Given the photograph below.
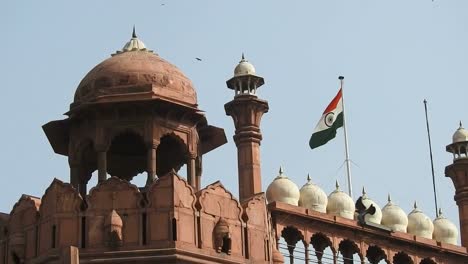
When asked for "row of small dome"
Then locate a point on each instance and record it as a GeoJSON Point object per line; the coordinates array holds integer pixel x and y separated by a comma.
{"type": "Point", "coordinates": [339, 203]}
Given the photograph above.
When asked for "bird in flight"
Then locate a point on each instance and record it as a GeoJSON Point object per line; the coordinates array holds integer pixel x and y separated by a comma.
{"type": "Point", "coordinates": [198, 59]}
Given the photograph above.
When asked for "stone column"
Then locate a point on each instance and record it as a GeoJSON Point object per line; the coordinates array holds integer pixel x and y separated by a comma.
{"type": "Point", "coordinates": [74, 175]}
{"type": "Point", "coordinates": [198, 172]}
{"type": "Point", "coordinates": [82, 189]}
{"type": "Point", "coordinates": [307, 257]}
{"type": "Point", "coordinates": [102, 165]}
{"type": "Point", "coordinates": [191, 171]}
{"type": "Point", "coordinates": [458, 172]}
{"type": "Point", "coordinates": [246, 111]}
{"type": "Point", "coordinates": [151, 163]}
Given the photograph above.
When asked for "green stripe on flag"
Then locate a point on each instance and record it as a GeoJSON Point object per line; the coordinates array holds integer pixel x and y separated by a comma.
{"type": "Point", "coordinates": [322, 137]}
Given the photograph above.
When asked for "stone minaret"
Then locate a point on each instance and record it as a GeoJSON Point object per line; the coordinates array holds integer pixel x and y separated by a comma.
{"type": "Point", "coordinates": [246, 110]}
{"type": "Point", "coordinates": [458, 172]}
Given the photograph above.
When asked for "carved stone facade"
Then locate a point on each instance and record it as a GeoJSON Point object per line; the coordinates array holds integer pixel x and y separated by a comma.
{"type": "Point", "coordinates": [137, 113]}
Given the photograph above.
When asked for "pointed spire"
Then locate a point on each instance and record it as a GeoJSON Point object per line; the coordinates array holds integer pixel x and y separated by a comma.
{"type": "Point", "coordinates": [337, 185]}
{"type": "Point", "coordinates": [440, 212]}
{"type": "Point", "coordinates": [389, 199]}
{"type": "Point", "coordinates": [461, 125]}
{"type": "Point", "coordinates": [281, 170]}
{"type": "Point", "coordinates": [134, 34]}
{"type": "Point", "coordinates": [243, 58]}
{"type": "Point", "coordinates": [363, 191]}
{"type": "Point", "coordinates": [308, 178]}
{"type": "Point", "coordinates": [415, 206]}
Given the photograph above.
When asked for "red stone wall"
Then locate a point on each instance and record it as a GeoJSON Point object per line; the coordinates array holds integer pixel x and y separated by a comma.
{"type": "Point", "coordinates": [177, 217]}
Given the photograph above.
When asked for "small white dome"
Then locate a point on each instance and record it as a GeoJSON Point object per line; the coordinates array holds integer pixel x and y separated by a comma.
{"type": "Point", "coordinates": [394, 217]}
{"type": "Point", "coordinates": [313, 197]}
{"type": "Point", "coordinates": [340, 204]}
{"type": "Point", "coordinates": [376, 218]}
{"type": "Point", "coordinates": [134, 44]}
{"type": "Point", "coordinates": [444, 230]}
{"type": "Point", "coordinates": [244, 68]}
{"type": "Point", "coordinates": [419, 224]}
{"type": "Point", "coordinates": [461, 135]}
{"type": "Point", "coordinates": [283, 190]}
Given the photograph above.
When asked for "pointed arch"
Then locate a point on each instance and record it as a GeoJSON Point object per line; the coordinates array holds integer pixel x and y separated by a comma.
{"type": "Point", "coordinates": [402, 258]}
{"type": "Point", "coordinates": [321, 242]}
{"type": "Point", "coordinates": [172, 153]}
{"type": "Point", "coordinates": [127, 154]}
{"type": "Point", "coordinates": [375, 254]}
{"type": "Point", "coordinates": [291, 236]}
{"type": "Point", "coordinates": [348, 248]}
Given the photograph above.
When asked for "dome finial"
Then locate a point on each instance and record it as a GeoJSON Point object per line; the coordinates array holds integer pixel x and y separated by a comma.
{"type": "Point", "coordinates": [461, 125]}
{"type": "Point", "coordinates": [440, 212]}
{"type": "Point", "coordinates": [363, 191]}
{"type": "Point", "coordinates": [389, 199]}
{"type": "Point", "coordinates": [133, 33]}
{"type": "Point", "coordinates": [415, 205]}
{"type": "Point", "coordinates": [281, 170]}
{"type": "Point", "coordinates": [337, 185]}
{"type": "Point", "coordinates": [243, 57]}
{"type": "Point", "coordinates": [308, 178]}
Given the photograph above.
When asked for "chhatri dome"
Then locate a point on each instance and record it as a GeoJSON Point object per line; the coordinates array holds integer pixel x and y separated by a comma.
{"type": "Point", "coordinates": [367, 202]}
{"type": "Point", "coordinates": [282, 189]}
{"type": "Point", "coordinates": [461, 135]}
{"type": "Point", "coordinates": [340, 203]}
{"type": "Point", "coordinates": [244, 68]}
{"type": "Point", "coordinates": [135, 73]}
{"type": "Point", "coordinates": [394, 217]}
{"type": "Point", "coordinates": [313, 197]}
{"type": "Point", "coordinates": [444, 230]}
{"type": "Point", "coordinates": [419, 224]}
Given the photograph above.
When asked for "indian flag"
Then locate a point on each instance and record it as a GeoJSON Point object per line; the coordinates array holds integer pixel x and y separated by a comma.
{"type": "Point", "coordinates": [331, 120]}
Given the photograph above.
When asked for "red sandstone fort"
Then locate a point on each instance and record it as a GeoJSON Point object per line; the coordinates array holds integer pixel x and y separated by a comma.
{"type": "Point", "coordinates": [137, 113]}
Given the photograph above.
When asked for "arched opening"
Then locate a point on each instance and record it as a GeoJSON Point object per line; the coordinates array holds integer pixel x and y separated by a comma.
{"type": "Point", "coordinates": [226, 247]}
{"type": "Point", "coordinates": [171, 154]}
{"type": "Point", "coordinates": [402, 258]}
{"type": "Point", "coordinates": [349, 251]}
{"type": "Point", "coordinates": [427, 261]}
{"type": "Point", "coordinates": [375, 255]}
{"type": "Point", "coordinates": [295, 250]}
{"type": "Point", "coordinates": [127, 156]}
{"type": "Point", "coordinates": [322, 251]}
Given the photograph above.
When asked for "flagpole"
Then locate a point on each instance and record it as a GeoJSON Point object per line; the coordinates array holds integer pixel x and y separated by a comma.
{"type": "Point", "coordinates": [432, 161]}
{"type": "Point", "coordinates": [347, 160]}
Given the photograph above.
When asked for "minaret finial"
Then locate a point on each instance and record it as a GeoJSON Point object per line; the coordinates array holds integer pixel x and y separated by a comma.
{"type": "Point", "coordinates": [281, 170]}
{"type": "Point", "coordinates": [337, 185]}
{"type": "Point", "coordinates": [389, 199]}
{"type": "Point", "coordinates": [243, 57]}
{"type": "Point", "coordinates": [308, 178]}
{"type": "Point", "coordinates": [461, 125]}
{"type": "Point", "coordinates": [415, 205]}
{"type": "Point", "coordinates": [134, 34]}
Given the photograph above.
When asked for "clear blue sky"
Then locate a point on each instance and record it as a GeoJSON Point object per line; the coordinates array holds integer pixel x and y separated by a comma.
{"type": "Point", "coordinates": [393, 54]}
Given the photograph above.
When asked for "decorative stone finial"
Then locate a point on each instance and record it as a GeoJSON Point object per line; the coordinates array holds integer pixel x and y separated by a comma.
{"type": "Point", "coordinates": [134, 34]}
